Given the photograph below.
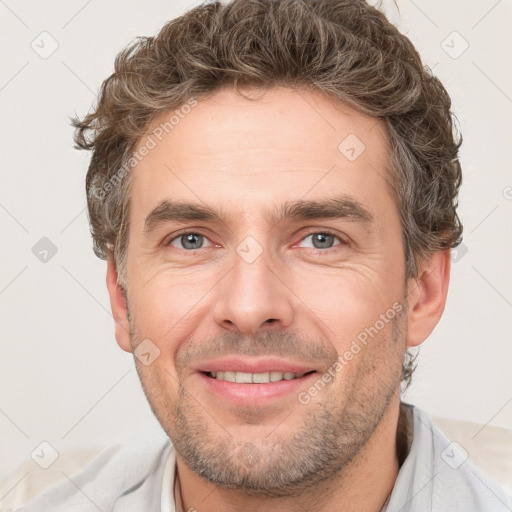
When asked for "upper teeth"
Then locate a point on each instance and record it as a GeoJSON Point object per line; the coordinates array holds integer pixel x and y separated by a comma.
{"type": "Point", "coordinates": [258, 378]}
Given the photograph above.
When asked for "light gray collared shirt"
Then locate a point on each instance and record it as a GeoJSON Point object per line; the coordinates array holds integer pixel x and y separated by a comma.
{"type": "Point", "coordinates": [436, 476]}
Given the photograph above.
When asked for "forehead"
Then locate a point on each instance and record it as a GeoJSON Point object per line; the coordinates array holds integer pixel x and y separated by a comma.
{"type": "Point", "coordinates": [279, 145]}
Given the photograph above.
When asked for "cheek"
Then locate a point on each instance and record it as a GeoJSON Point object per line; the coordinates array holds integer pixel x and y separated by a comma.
{"type": "Point", "coordinates": [167, 310]}
{"type": "Point", "coordinates": [166, 304]}
{"type": "Point", "coordinates": [347, 301]}
{"type": "Point", "coordinates": [161, 388]}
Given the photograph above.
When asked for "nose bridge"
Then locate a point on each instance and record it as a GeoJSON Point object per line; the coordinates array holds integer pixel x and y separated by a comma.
{"type": "Point", "coordinates": [253, 295]}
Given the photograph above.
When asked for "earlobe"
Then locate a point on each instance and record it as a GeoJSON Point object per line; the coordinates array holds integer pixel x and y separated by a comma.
{"type": "Point", "coordinates": [119, 309]}
{"type": "Point", "coordinates": [427, 297]}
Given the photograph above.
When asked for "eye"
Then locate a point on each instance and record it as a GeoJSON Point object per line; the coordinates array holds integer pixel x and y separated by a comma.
{"type": "Point", "coordinates": [187, 241]}
{"type": "Point", "coordinates": [322, 240]}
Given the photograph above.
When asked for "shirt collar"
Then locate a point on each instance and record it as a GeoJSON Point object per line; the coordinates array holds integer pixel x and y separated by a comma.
{"type": "Point", "coordinates": [170, 502]}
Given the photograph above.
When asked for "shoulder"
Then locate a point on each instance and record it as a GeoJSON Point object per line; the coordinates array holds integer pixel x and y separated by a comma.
{"type": "Point", "coordinates": [122, 472]}
{"type": "Point", "coordinates": [438, 475]}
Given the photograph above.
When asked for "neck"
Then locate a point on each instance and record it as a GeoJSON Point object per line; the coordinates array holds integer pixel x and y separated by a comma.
{"type": "Point", "coordinates": [364, 484]}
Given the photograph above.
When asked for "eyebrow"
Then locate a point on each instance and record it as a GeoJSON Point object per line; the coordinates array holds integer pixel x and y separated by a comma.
{"type": "Point", "coordinates": [340, 207]}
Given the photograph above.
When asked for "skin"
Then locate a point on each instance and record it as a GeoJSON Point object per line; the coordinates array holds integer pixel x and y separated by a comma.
{"type": "Point", "coordinates": [243, 157]}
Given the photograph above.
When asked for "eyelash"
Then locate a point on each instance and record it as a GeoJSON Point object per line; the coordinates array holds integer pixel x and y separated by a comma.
{"type": "Point", "coordinates": [343, 242]}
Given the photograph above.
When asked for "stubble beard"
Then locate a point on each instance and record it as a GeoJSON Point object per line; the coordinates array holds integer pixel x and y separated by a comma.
{"type": "Point", "coordinates": [332, 435]}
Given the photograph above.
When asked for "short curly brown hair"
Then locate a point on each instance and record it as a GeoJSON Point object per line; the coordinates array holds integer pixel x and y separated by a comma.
{"type": "Point", "coordinates": [345, 49]}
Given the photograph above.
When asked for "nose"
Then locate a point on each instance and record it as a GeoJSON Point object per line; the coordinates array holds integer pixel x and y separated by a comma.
{"type": "Point", "coordinates": [253, 296]}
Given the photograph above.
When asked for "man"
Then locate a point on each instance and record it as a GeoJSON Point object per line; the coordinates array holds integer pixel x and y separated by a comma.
{"type": "Point", "coordinates": [274, 187]}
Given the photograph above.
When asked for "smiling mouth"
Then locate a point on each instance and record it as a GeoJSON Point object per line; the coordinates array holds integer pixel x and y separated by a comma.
{"type": "Point", "coordinates": [255, 378]}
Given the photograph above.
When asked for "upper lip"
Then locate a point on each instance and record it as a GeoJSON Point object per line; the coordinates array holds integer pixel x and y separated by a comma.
{"type": "Point", "coordinates": [252, 365]}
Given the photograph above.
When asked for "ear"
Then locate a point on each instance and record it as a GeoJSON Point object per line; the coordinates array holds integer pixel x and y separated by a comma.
{"type": "Point", "coordinates": [119, 310]}
{"type": "Point", "coordinates": [427, 296]}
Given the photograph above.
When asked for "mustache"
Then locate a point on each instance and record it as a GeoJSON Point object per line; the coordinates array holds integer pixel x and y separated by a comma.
{"type": "Point", "coordinates": [286, 345]}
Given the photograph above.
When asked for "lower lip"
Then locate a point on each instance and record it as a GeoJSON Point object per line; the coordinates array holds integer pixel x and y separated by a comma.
{"type": "Point", "coordinates": [255, 394]}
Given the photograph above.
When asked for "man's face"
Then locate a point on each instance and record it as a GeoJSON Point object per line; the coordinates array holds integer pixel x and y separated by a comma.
{"type": "Point", "coordinates": [271, 289]}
